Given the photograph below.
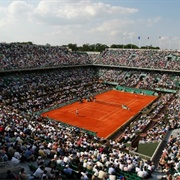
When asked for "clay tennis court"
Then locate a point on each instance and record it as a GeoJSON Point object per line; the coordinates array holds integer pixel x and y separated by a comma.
{"type": "Point", "coordinates": [101, 117]}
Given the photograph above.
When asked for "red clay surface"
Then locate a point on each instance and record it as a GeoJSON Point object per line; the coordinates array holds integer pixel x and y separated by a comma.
{"type": "Point", "coordinates": [102, 118]}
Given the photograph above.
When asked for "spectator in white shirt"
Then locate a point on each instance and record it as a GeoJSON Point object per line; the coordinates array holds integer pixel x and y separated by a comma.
{"type": "Point", "coordinates": [39, 172]}
{"type": "Point", "coordinates": [15, 161]}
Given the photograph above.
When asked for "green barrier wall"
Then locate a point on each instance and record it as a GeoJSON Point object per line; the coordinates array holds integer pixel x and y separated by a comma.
{"type": "Point", "coordinates": [135, 90]}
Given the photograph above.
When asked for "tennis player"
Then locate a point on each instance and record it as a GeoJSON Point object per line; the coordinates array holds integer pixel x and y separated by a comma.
{"type": "Point", "coordinates": [77, 112]}
{"type": "Point", "coordinates": [125, 107]}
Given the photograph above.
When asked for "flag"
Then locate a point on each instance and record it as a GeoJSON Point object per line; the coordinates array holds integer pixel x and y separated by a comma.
{"type": "Point", "coordinates": [139, 37]}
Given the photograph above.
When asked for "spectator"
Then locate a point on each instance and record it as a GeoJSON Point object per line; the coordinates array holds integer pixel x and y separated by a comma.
{"type": "Point", "coordinates": [39, 172]}
{"type": "Point", "coordinates": [11, 175]}
{"type": "Point", "coordinates": [23, 175]}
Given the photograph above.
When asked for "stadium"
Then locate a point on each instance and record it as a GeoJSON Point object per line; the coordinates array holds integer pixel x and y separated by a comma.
{"type": "Point", "coordinates": [127, 125]}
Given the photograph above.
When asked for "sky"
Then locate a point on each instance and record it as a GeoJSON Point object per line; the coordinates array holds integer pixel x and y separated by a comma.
{"type": "Point", "coordinates": [60, 22]}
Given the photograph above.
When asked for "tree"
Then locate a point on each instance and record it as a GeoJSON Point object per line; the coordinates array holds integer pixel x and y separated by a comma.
{"type": "Point", "coordinates": [73, 47]}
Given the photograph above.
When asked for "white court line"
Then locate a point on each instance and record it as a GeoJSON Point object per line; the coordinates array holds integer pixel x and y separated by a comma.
{"type": "Point", "coordinates": [116, 110]}
{"type": "Point", "coordinates": [132, 102]}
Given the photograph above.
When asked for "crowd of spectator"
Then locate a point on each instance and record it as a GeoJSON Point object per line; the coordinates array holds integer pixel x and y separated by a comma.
{"type": "Point", "coordinates": [27, 137]}
{"type": "Point", "coordinates": [148, 58]}
{"type": "Point", "coordinates": [166, 117]}
{"type": "Point", "coordinates": [140, 79]}
{"type": "Point", "coordinates": [20, 56]}
{"type": "Point", "coordinates": [39, 90]}
{"type": "Point", "coordinates": [57, 149]}
{"type": "Point", "coordinates": [170, 158]}
{"type": "Point", "coordinates": [64, 152]}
